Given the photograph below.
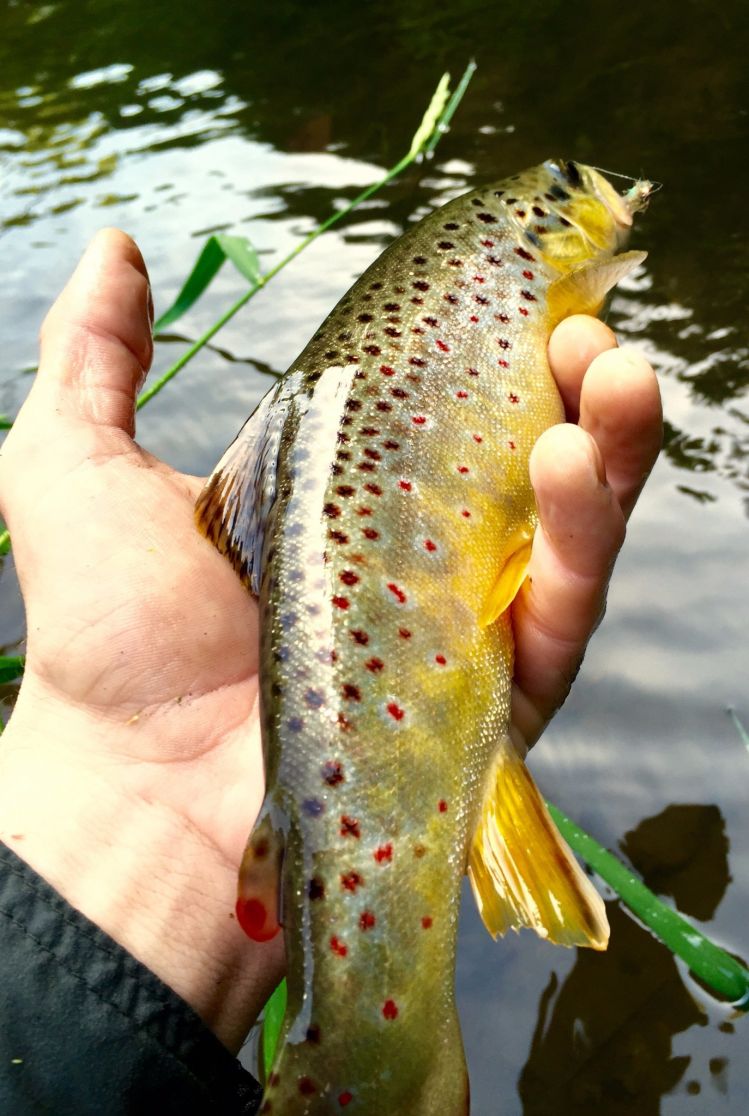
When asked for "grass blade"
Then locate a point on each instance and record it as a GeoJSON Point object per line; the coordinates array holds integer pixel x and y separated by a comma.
{"type": "Point", "coordinates": [717, 969]}
{"type": "Point", "coordinates": [216, 250]}
{"type": "Point", "coordinates": [444, 120]}
{"type": "Point", "coordinates": [273, 1014]}
{"type": "Point", "coordinates": [4, 543]}
{"type": "Point", "coordinates": [334, 218]}
{"type": "Point", "coordinates": [5, 422]}
{"type": "Point", "coordinates": [11, 667]}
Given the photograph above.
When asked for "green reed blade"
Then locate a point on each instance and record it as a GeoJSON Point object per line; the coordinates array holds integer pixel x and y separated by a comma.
{"type": "Point", "coordinates": [214, 253]}
{"type": "Point", "coordinates": [334, 218]}
{"type": "Point", "coordinates": [5, 422]}
{"type": "Point", "coordinates": [273, 1014]}
{"type": "Point", "coordinates": [11, 667]}
{"type": "Point", "coordinates": [716, 968]}
{"type": "Point", "coordinates": [739, 727]}
{"type": "Point", "coordinates": [4, 543]}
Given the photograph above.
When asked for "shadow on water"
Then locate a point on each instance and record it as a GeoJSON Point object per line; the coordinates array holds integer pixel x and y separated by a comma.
{"type": "Point", "coordinates": [603, 1040]}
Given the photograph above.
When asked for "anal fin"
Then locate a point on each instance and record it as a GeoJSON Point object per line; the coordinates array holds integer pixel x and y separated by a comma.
{"type": "Point", "coordinates": [522, 871]}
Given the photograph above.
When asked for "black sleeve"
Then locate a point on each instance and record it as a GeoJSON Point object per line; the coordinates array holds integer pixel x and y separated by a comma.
{"type": "Point", "coordinates": [85, 1028]}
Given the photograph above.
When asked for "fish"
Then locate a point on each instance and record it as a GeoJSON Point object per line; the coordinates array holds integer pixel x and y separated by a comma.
{"type": "Point", "coordinates": [378, 505]}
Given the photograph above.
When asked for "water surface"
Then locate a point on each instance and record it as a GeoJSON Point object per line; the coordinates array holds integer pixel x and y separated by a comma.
{"type": "Point", "coordinates": [173, 122]}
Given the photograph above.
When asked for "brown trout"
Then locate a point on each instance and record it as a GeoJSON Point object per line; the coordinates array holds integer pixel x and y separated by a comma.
{"type": "Point", "coordinates": [379, 505]}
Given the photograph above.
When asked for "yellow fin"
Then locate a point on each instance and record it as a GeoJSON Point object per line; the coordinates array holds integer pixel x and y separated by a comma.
{"type": "Point", "coordinates": [521, 870]}
{"type": "Point", "coordinates": [509, 579]}
{"type": "Point", "coordinates": [583, 290]}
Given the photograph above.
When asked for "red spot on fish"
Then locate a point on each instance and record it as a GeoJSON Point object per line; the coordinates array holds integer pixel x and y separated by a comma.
{"type": "Point", "coordinates": [440, 659]}
{"type": "Point", "coordinates": [387, 370]}
{"type": "Point", "coordinates": [511, 445]}
{"type": "Point", "coordinates": [348, 577]}
{"type": "Point", "coordinates": [474, 318]}
{"type": "Point", "coordinates": [332, 772]}
{"type": "Point", "coordinates": [405, 485]}
{"type": "Point", "coordinates": [520, 212]}
{"type": "Point", "coordinates": [370, 533]}
{"type": "Point", "coordinates": [374, 665]}
{"type": "Point", "coordinates": [442, 806]}
{"type": "Point", "coordinates": [337, 946]}
{"type": "Point", "coordinates": [527, 274]}
{"type": "Point", "coordinates": [351, 692]}
{"type": "Point", "coordinates": [345, 1098]}
{"type": "Point", "coordinates": [522, 310]}
{"type": "Point", "coordinates": [390, 1009]}
{"type": "Point", "coordinates": [472, 371]}
{"type": "Point", "coordinates": [524, 255]}
{"type": "Point", "coordinates": [504, 343]}
{"type": "Point", "coordinates": [397, 592]}
{"type": "Point", "coordinates": [429, 545]}
{"type": "Point", "coordinates": [465, 513]}
{"type": "Point", "coordinates": [255, 921]}
{"type": "Point", "coordinates": [503, 363]}
{"type": "Point", "coordinates": [360, 637]}
{"type": "Point", "coordinates": [426, 922]}
{"type": "Point", "coordinates": [395, 711]}
{"type": "Point", "coordinates": [463, 469]}
{"type": "Point", "coordinates": [528, 296]}
{"type": "Point", "coordinates": [443, 347]}
{"type": "Point", "coordinates": [488, 243]}
{"type": "Point", "coordinates": [384, 854]}
{"type": "Point", "coordinates": [404, 633]}
{"type": "Point", "coordinates": [366, 920]}
{"type": "Point", "coordinates": [478, 438]}
{"type": "Point", "coordinates": [351, 880]}
{"type": "Point", "coordinates": [350, 827]}
{"type": "Point", "coordinates": [341, 602]}
{"type": "Point", "coordinates": [461, 394]}
{"type": "Point", "coordinates": [513, 397]}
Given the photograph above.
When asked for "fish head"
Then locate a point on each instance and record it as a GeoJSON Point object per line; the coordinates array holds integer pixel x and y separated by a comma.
{"type": "Point", "coordinates": [572, 214]}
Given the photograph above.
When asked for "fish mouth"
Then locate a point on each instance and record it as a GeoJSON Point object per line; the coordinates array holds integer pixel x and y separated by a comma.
{"type": "Point", "coordinates": [591, 179]}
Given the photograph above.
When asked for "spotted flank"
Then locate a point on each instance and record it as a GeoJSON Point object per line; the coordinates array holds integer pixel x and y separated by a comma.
{"type": "Point", "coordinates": [378, 504]}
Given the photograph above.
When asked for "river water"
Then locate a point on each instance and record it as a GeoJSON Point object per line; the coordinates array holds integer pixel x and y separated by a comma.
{"type": "Point", "coordinates": [174, 121]}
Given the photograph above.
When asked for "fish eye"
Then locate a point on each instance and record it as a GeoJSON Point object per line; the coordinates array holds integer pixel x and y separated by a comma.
{"type": "Point", "coordinates": [573, 174]}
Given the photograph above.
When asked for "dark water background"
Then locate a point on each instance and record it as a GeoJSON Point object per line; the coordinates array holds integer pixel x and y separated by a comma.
{"type": "Point", "coordinates": [172, 120]}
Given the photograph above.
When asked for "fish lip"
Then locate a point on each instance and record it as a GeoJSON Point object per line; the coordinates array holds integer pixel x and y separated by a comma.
{"type": "Point", "coordinates": [621, 206]}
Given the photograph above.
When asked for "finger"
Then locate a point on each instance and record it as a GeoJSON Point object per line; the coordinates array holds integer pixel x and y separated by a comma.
{"type": "Point", "coordinates": [96, 344]}
{"type": "Point", "coordinates": [620, 407]}
{"type": "Point", "coordinates": [573, 345]}
{"type": "Point", "coordinates": [581, 529]}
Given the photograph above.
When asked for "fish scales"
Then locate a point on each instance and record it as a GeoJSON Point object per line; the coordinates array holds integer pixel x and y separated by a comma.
{"type": "Point", "coordinates": [395, 513]}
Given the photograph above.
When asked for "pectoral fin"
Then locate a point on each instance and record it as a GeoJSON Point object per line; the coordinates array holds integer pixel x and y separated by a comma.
{"type": "Point", "coordinates": [583, 290]}
{"type": "Point", "coordinates": [521, 870]}
{"type": "Point", "coordinates": [233, 508]}
{"type": "Point", "coordinates": [510, 577]}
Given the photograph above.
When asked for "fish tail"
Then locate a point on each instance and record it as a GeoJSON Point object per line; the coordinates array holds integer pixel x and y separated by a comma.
{"type": "Point", "coordinates": [353, 1072]}
{"type": "Point", "coordinates": [521, 869]}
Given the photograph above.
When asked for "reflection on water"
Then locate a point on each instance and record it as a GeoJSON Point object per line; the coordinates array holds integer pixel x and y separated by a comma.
{"type": "Point", "coordinates": [603, 1041]}
{"type": "Point", "coordinates": [172, 120]}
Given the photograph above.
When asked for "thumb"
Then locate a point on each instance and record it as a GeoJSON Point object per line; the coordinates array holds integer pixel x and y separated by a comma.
{"type": "Point", "coordinates": [96, 344]}
{"type": "Point", "coordinates": [96, 348]}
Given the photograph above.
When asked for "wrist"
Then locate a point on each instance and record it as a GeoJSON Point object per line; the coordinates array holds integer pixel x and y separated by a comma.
{"type": "Point", "coordinates": [134, 865]}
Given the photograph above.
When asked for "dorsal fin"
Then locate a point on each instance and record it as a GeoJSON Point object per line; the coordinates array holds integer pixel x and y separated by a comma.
{"type": "Point", "coordinates": [233, 508]}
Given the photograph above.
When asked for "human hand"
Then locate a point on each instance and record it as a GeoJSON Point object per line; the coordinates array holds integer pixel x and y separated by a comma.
{"type": "Point", "coordinates": [131, 770]}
